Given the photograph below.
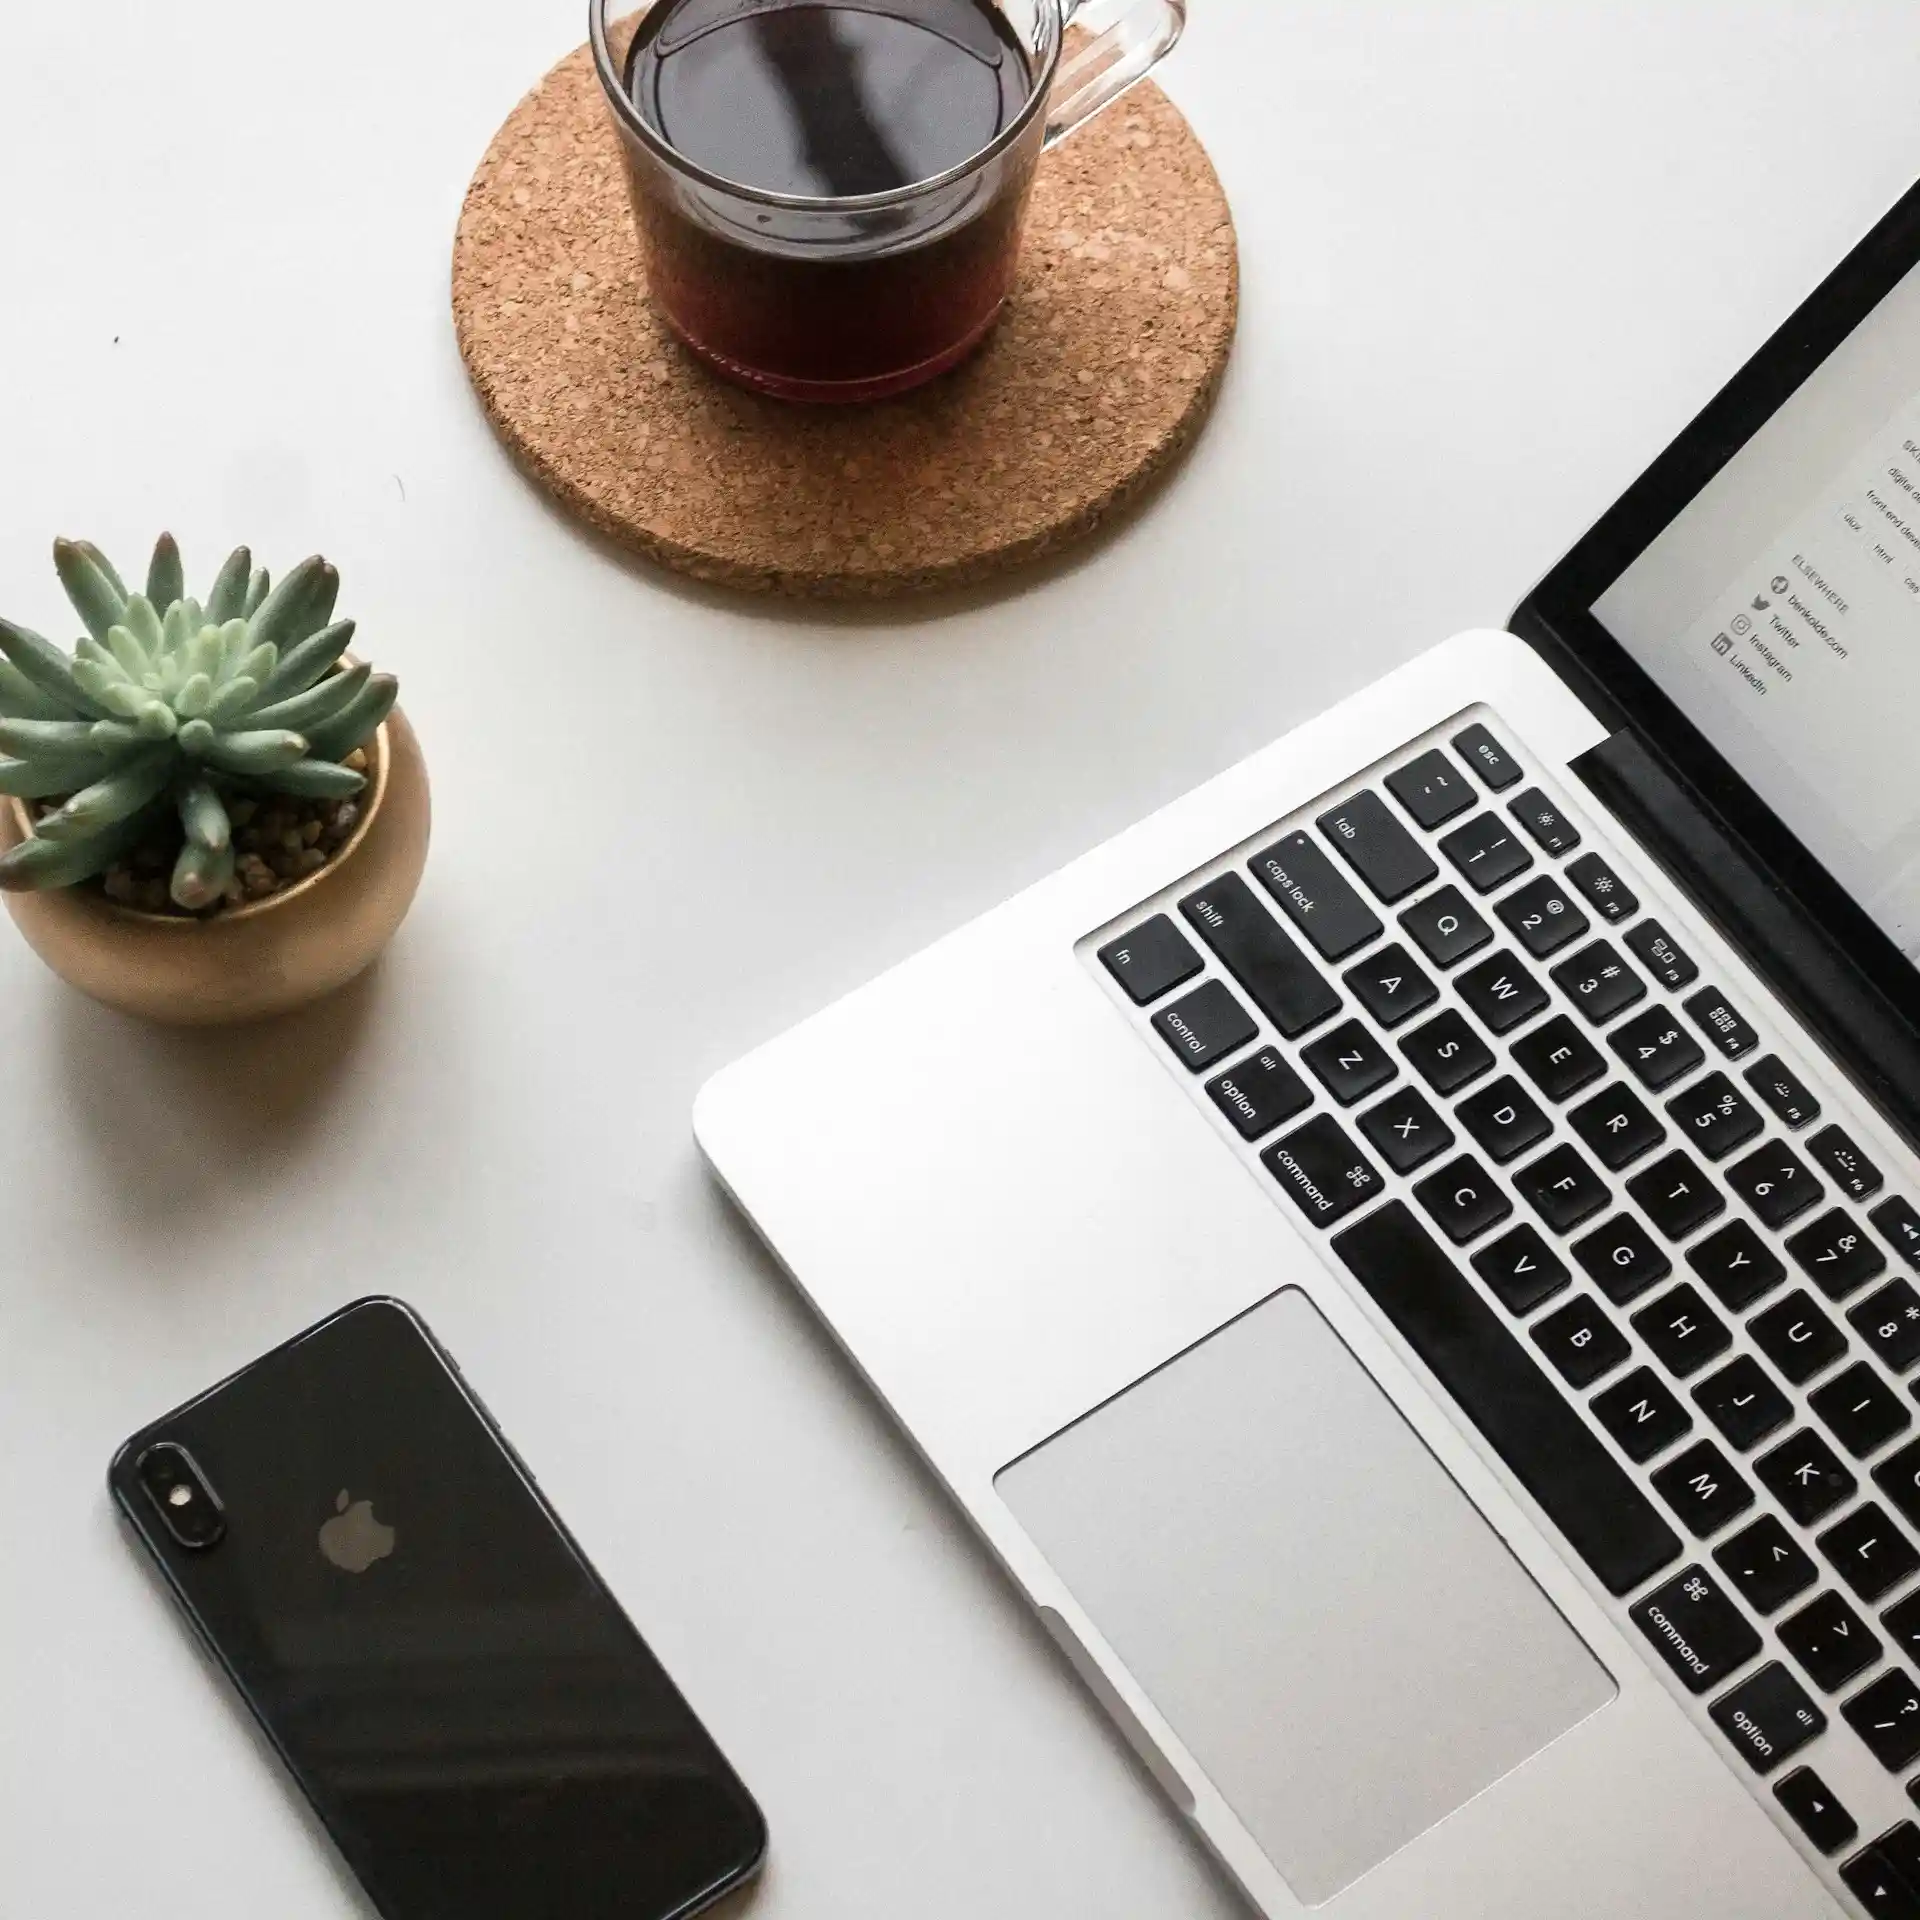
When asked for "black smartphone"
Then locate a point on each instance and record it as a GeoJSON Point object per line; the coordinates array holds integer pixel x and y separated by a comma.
{"type": "Point", "coordinates": [475, 1720]}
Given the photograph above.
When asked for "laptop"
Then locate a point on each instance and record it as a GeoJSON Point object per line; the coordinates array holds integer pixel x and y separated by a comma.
{"type": "Point", "coordinates": [1407, 1257]}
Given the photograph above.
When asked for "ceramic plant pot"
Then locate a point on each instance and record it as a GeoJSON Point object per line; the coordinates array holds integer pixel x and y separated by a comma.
{"type": "Point", "coordinates": [265, 958]}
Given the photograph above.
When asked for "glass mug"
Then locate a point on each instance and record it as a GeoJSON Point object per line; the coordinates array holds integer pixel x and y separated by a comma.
{"type": "Point", "coordinates": [835, 291]}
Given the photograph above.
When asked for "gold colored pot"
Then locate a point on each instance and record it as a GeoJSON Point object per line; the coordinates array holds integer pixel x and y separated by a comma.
{"type": "Point", "coordinates": [254, 961]}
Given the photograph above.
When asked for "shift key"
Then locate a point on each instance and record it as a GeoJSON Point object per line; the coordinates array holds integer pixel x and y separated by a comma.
{"type": "Point", "coordinates": [1315, 896]}
{"type": "Point", "coordinates": [1279, 978]}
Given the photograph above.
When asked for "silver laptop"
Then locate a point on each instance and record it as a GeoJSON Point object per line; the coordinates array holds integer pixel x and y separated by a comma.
{"type": "Point", "coordinates": [1407, 1257]}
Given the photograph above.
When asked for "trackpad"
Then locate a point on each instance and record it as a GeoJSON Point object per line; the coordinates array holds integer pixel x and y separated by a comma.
{"type": "Point", "coordinates": [1341, 1641]}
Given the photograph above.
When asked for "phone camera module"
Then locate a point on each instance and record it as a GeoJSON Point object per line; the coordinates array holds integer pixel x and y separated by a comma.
{"type": "Point", "coordinates": [182, 1495]}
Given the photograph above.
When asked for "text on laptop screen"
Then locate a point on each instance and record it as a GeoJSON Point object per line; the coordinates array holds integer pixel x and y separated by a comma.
{"type": "Point", "coordinates": [1781, 612]}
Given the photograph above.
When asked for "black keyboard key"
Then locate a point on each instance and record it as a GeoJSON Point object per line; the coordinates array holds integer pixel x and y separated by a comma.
{"type": "Point", "coordinates": [1502, 992]}
{"type": "Point", "coordinates": [1869, 1552]}
{"type": "Point", "coordinates": [1656, 949]}
{"type": "Point", "coordinates": [1900, 1223]}
{"type": "Point", "coordinates": [1676, 1195]}
{"type": "Point", "coordinates": [1806, 1476]}
{"type": "Point", "coordinates": [1769, 1718]}
{"type": "Point", "coordinates": [1548, 828]}
{"type": "Point", "coordinates": [1446, 1053]}
{"type": "Point", "coordinates": [1521, 1269]}
{"type": "Point", "coordinates": [1151, 960]}
{"type": "Point", "coordinates": [1405, 1130]}
{"type": "Point", "coordinates": [1259, 1093]}
{"type": "Point", "coordinates": [1523, 1416]}
{"type": "Point", "coordinates": [1683, 1331]}
{"type": "Point", "coordinates": [1487, 757]}
{"type": "Point", "coordinates": [1503, 1118]}
{"type": "Point", "coordinates": [1775, 1183]}
{"type": "Point", "coordinates": [1350, 1062]}
{"type": "Point", "coordinates": [1696, 1629]}
{"type": "Point", "coordinates": [1541, 916]}
{"type": "Point", "coordinates": [1714, 1117]}
{"type": "Point", "coordinates": [1616, 1125]}
{"type": "Point", "coordinates": [1777, 1084]}
{"type": "Point", "coordinates": [1886, 1715]}
{"type": "Point", "coordinates": [1656, 1048]}
{"type": "Point", "coordinates": [1836, 1255]}
{"type": "Point", "coordinates": [1486, 852]}
{"type": "Point", "coordinates": [1743, 1402]}
{"type": "Point", "coordinates": [1814, 1810]}
{"type": "Point", "coordinates": [1599, 981]}
{"type": "Point", "coordinates": [1642, 1414]}
{"type": "Point", "coordinates": [1622, 1259]}
{"type": "Point", "coordinates": [1766, 1565]}
{"type": "Point", "coordinates": [1609, 896]}
{"type": "Point", "coordinates": [1445, 928]}
{"type": "Point", "coordinates": [1391, 986]}
{"type": "Point", "coordinates": [1581, 1341]}
{"type": "Point", "coordinates": [1316, 896]}
{"type": "Point", "coordinates": [1716, 1016]}
{"type": "Point", "coordinates": [1562, 1189]}
{"type": "Point", "coordinates": [1464, 1198]}
{"type": "Point", "coordinates": [1431, 788]}
{"type": "Point", "coordinates": [1279, 979]}
{"type": "Point", "coordinates": [1701, 1486]}
{"type": "Point", "coordinates": [1736, 1265]}
{"type": "Point", "coordinates": [1830, 1641]}
{"type": "Point", "coordinates": [1377, 847]}
{"type": "Point", "coordinates": [1324, 1173]}
{"type": "Point", "coordinates": [1888, 1320]}
{"type": "Point", "coordinates": [1898, 1477]}
{"type": "Point", "coordinates": [1558, 1058]}
{"type": "Point", "coordinates": [1882, 1892]}
{"type": "Point", "coordinates": [1860, 1410]}
{"type": "Point", "coordinates": [1901, 1847]}
{"type": "Point", "coordinates": [1797, 1337]}
{"type": "Point", "coordinates": [1902, 1622]}
{"type": "Point", "coordinates": [1844, 1164]}
{"type": "Point", "coordinates": [1205, 1026]}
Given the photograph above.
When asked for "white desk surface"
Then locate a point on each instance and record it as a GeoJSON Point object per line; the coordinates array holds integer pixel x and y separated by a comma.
{"type": "Point", "coordinates": [1495, 254]}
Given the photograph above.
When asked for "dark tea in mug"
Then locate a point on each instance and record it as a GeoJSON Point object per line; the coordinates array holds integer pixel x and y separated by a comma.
{"type": "Point", "coordinates": [817, 229]}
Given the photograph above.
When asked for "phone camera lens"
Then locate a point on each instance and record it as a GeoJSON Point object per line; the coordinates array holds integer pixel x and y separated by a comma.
{"type": "Point", "coordinates": [182, 1495]}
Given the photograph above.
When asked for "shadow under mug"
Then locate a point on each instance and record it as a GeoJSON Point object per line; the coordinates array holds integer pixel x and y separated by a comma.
{"type": "Point", "coordinates": [870, 295]}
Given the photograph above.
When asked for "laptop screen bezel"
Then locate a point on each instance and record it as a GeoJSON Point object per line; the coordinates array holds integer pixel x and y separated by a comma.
{"type": "Point", "coordinates": [1558, 616]}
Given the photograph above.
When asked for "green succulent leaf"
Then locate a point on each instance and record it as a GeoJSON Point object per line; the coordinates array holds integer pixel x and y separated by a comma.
{"type": "Point", "coordinates": [195, 737]}
{"type": "Point", "coordinates": [127, 652]}
{"type": "Point", "coordinates": [201, 876]}
{"type": "Point", "coordinates": [257, 590]}
{"type": "Point", "coordinates": [255, 752]}
{"type": "Point", "coordinates": [46, 667]}
{"type": "Point", "coordinates": [20, 699]}
{"type": "Point", "coordinates": [145, 626]}
{"type": "Point", "coordinates": [300, 668]}
{"type": "Point", "coordinates": [30, 738]}
{"type": "Point", "coordinates": [39, 863]}
{"type": "Point", "coordinates": [196, 691]}
{"type": "Point", "coordinates": [116, 797]}
{"type": "Point", "coordinates": [355, 724]}
{"type": "Point", "coordinates": [314, 780]}
{"type": "Point", "coordinates": [99, 597]}
{"type": "Point", "coordinates": [113, 736]}
{"type": "Point", "coordinates": [232, 698]}
{"type": "Point", "coordinates": [203, 815]}
{"type": "Point", "coordinates": [300, 605]}
{"type": "Point", "coordinates": [45, 775]}
{"type": "Point", "coordinates": [157, 721]}
{"type": "Point", "coordinates": [319, 703]}
{"type": "Point", "coordinates": [228, 599]}
{"type": "Point", "coordinates": [166, 577]}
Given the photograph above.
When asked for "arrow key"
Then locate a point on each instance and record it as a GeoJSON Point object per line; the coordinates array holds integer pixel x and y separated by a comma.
{"type": "Point", "coordinates": [1883, 1894]}
{"type": "Point", "coordinates": [1815, 1811]}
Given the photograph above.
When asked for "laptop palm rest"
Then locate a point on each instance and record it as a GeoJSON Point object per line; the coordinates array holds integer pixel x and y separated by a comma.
{"type": "Point", "coordinates": [1344, 1645]}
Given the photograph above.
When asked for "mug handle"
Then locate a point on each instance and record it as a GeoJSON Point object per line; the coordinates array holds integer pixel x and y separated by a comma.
{"type": "Point", "coordinates": [1128, 39]}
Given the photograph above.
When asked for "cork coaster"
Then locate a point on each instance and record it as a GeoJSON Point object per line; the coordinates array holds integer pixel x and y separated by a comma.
{"type": "Point", "coordinates": [1102, 368]}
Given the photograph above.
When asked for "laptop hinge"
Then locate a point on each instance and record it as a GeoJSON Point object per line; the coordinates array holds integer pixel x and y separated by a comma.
{"type": "Point", "coordinates": [1851, 1018]}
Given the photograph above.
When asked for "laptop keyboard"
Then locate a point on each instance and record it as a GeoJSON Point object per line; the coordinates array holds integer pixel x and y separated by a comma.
{"type": "Point", "coordinates": [1613, 1223]}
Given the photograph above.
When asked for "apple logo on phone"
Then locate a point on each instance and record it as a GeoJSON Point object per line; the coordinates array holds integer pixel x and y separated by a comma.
{"type": "Point", "coordinates": [353, 1539]}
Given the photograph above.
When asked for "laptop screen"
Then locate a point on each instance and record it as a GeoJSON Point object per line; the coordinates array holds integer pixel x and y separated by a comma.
{"type": "Point", "coordinates": [1780, 612]}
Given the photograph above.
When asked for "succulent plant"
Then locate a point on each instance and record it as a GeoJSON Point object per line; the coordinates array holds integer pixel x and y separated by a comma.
{"type": "Point", "coordinates": [172, 704]}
